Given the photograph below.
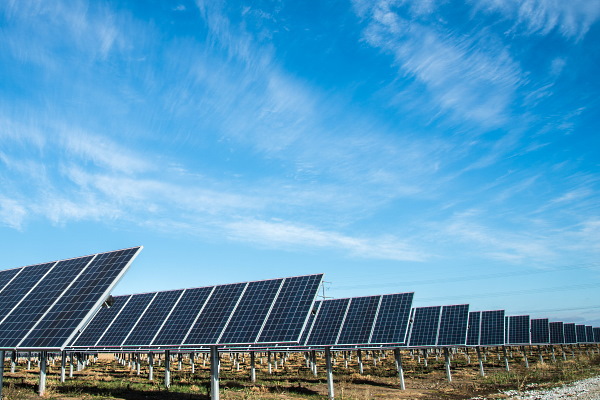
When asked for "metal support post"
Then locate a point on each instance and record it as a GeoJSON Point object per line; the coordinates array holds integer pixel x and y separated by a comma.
{"type": "Point", "coordinates": [541, 354]}
{"type": "Point", "coordinates": [313, 362]}
{"type": "Point", "coordinates": [192, 362]}
{"type": "Point", "coordinates": [71, 359]}
{"type": "Point", "coordinates": [447, 362]}
{"type": "Point", "coordinates": [63, 366]}
{"type": "Point", "coordinates": [28, 361]}
{"type": "Point", "coordinates": [252, 367]}
{"type": "Point", "coordinates": [329, 373]}
{"type": "Point", "coordinates": [150, 366]}
{"type": "Point", "coordinates": [167, 369]}
{"type": "Point", "coordinates": [214, 372]}
{"type": "Point", "coordinates": [425, 358]}
{"type": "Point", "coordinates": [361, 369]}
{"type": "Point", "coordinates": [269, 362]}
{"type": "Point", "coordinates": [43, 363]}
{"type": "Point", "coordinates": [525, 357]}
{"type": "Point", "coordinates": [505, 359]}
{"type": "Point", "coordinates": [399, 367]}
{"type": "Point", "coordinates": [13, 362]}
{"type": "Point", "coordinates": [480, 361]}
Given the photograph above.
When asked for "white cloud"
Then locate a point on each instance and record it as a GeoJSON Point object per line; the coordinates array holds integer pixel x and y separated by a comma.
{"type": "Point", "coordinates": [277, 233]}
{"type": "Point", "coordinates": [572, 18]}
{"type": "Point", "coordinates": [12, 213]}
{"type": "Point", "coordinates": [474, 77]}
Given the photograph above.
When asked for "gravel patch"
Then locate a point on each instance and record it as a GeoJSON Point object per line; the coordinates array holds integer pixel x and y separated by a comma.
{"type": "Point", "coordinates": [586, 389]}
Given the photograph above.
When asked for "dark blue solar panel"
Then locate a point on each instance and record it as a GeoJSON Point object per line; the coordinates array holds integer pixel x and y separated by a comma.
{"type": "Point", "coordinates": [580, 334]}
{"type": "Point", "coordinates": [473, 330]}
{"type": "Point", "coordinates": [453, 325]}
{"type": "Point", "coordinates": [5, 277]}
{"type": "Point", "coordinates": [310, 323]}
{"type": "Point", "coordinates": [38, 300]}
{"type": "Point", "coordinates": [596, 335]}
{"type": "Point", "coordinates": [540, 331]}
{"type": "Point", "coordinates": [182, 317]}
{"type": "Point", "coordinates": [18, 288]}
{"type": "Point", "coordinates": [80, 300]}
{"type": "Point", "coordinates": [557, 334]}
{"type": "Point", "coordinates": [570, 335]}
{"type": "Point", "coordinates": [425, 326]}
{"type": "Point", "coordinates": [518, 329]}
{"type": "Point", "coordinates": [392, 319]}
{"type": "Point", "coordinates": [291, 309]}
{"type": "Point", "coordinates": [492, 328]}
{"type": "Point", "coordinates": [589, 333]}
{"type": "Point", "coordinates": [215, 315]}
{"type": "Point", "coordinates": [359, 320]}
{"type": "Point", "coordinates": [250, 314]}
{"type": "Point", "coordinates": [153, 318]}
{"type": "Point", "coordinates": [98, 325]}
{"type": "Point", "coordinates": [122, 325]}
{"type": "Point", "coordinates": [328, 322]}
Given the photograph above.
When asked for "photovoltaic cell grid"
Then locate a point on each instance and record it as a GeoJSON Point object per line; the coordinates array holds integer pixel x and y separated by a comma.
{"type": "Point", "coordinates": [356, 321]}
{"type": "Point", "coordinates": [473, 329]}
{"type": "Point", "coordinates": [580, 334]}
{"type": "Point", "coordinates": [597, 335]}
{"type": "Point", "coordinates": [540, 331]}
{"type": "Point", "coordinates": [557, 333]}
{"type": "Point", "coordinates": [43, 305]}
{"type": "Point", "coordinates": [569, 332]}
{"type": "Point", "coordinates": [589, 333]}
{"type": "Point", "coordinates": [453, 325]}
{"type": "Point", "coordinates": [486, 328]}
{"type": "Point", "coordinates": [240, 313]}
{"type": "Point", "coordinates": [518, 330]}
{"type": "Point", "coordinates": [425, 326]}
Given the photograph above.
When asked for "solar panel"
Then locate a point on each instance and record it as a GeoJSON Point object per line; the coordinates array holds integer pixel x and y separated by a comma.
{"type": "Point", "coordinates": [580, 334]}
{"type": "Point", "coordinates": [474, 328]}
{"type": "Point", "coordinates": [518, 330]}
{"type": "Point", "coordinates": [557, 333]}
{"type": "Point", "coordinates": [153, 318]}
{"type": "Point", "coordinates": [570, 335]}
{"type": "Point", "coordinates": [393, 315]}
{"type": "Point", "coordinates": [359, 320]}
{"type": "Point", "coordinates": [589, 333]}
{"type": "Point", "coordinates": [453, 325]}
{"type": "Point", "coordinates": [328, 321]}
{"type": "Point", "coordinates": [43, 305]}
{"type": "Point", "coordinates": [492, 328]}
{"type": "Point", "coordinates": [540, 331]}
{"type": "Point", "coordinates": [597, 335]}
{"type": "Point", "coordinates": [425, 326]}
{"type": "Point", "coordinates": [226, 314]}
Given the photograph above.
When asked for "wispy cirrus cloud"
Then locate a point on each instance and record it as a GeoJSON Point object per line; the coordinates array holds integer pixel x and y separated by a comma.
{"type": "Point", "coordinates": [471, 76]}
{"type": "Point", "coordinates": [572, 19]}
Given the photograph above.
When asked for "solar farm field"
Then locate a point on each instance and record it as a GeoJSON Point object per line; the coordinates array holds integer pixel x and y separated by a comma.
{"type": "Point", "coordinates": [290, 378]}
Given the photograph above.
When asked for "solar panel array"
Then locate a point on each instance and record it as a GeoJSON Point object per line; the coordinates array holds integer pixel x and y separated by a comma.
{"type": "Point", "coordinates": [370, 320]}
{"type": "Point", "coordinates": [42, 306]}
{"type": "Point", "coordinates": [269, 311]}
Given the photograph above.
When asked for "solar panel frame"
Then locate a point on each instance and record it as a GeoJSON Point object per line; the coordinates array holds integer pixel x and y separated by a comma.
{"type": "Point", "coordinates": [474, 328]}
{"type": "Point", "coordinates": [596, 335]}
{"type": "Point", "coordinates": [393, 319]}
{"type": "Point", "coordinates": [589, 333]}
{"type": "Point", "coordinates": [580, 333]}
{"type": "Point", "coordinates": [492, 328]}
{"type": "Point", "coordinates": [57, 313]}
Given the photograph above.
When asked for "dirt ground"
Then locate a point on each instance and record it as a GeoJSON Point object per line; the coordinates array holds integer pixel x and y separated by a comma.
{"type": "Point", "coordinates": [107, 379]}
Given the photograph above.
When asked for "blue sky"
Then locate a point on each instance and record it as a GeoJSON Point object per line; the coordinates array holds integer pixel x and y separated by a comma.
{"type": "Point", "coordinates": [443, 147]}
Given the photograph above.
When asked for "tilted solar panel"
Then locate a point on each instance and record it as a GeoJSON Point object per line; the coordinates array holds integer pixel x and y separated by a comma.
{"type": "Point", "coordinates": [474, 327]}
{"type": "Point", "coordinates": [570, 334]}
{"type": "Point", "coordinates": [589, 333]}
{"type": "Point", "coordinates": [121, 326]}
{"type": "Point", "coordinates": [358, 323]}
{"type": "Point", "coordinates": [492, 328]}
{"type": "Point", "coordinates": [596, 335]}
{"type": "Point", "coordinates": [42, 306]}
{"type": "Point", "coordinates": [518, 330]}
{"type": "Point", "coordinates": [580, 334]}
{"type": "Point", "coordinates": [101, 321]}
{"type": "Point", "coordinates": [540, 331]}
{"type": "Point", "coordinates": [425, 326]}
{"type": "Point", "coordinates": [328, 322]}
{"type": "Point", "coordinates": [393, 315]}
{"type": "Point", "coordinates": [153, 318]}
{"type": "Point", "coordinates": [453, 325]}
{"type": "Point", "coordinates": [557, 333]}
